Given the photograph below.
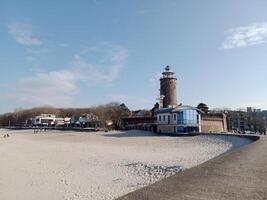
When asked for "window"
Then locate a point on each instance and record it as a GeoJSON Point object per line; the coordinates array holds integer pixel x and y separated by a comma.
{"type": "Point", "coordinates": [180, 129]}
{"type": "Point", "coordinates": [174, 117]}
{"type": "Point", "coordinates": [180, 117]}
{"type": "Point", "coordinates": [159, 117]}
{"type": "Point", "coordinates": [163, 117]}
{"type": "Point", "coordinates": [190, 117]}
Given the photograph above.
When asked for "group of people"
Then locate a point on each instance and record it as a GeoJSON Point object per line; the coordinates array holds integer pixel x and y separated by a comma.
{"type": "Point", "coordinates": [38, 129]}
{"type": "Point", "coordinates": [6, 135]}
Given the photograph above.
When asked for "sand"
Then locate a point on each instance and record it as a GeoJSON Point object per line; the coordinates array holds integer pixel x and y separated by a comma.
{"type": "Point", "coordinates": [71, 165]}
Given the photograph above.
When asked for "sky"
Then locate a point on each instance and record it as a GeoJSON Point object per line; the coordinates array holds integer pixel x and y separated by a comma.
{"type": "Point", "coordinates": [90, 52]}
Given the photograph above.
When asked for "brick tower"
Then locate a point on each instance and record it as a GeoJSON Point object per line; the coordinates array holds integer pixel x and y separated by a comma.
{"type": "Point", "coordinates": [168, 88]}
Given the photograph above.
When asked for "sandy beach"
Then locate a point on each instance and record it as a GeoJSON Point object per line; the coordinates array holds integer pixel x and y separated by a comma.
{"type": "Point", "coordinates": [72, 165]}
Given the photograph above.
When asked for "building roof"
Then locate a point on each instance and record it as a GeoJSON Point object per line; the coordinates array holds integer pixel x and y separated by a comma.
{"type": "Point", "coordinates": [185, 107]}
{"type": "Point", "coordinates": [176, 109]}
{"type": "Point", "coordinates": [163, 110]}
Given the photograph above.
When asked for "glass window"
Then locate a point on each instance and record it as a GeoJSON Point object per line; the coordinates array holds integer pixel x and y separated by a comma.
{"type": "Point", "coordinates": [180, 116]}
{"type": "Point", "coordinates": [174, 117]}
{"type": "Point", "coordinates": [163, 117]}
{"type": "Point", "coordinates": [190, 117]}
{"type": "Point", "coordinates": [180, 129]}
{"type": "Point", "coordinates": [159, 117]}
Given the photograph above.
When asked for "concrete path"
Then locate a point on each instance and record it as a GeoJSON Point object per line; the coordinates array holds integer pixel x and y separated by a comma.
{"type": "Point", "coordinates": [239, 175]}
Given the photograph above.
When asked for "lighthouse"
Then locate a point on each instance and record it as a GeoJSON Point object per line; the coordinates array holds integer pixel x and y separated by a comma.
{"type": "Point", "coordinates": [168, 88]}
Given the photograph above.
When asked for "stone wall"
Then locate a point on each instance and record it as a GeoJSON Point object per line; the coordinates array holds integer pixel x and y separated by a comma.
{"type": "Point", "coordinates": [213, 124]}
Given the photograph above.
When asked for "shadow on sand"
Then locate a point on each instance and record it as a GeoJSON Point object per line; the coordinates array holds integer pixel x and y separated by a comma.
{"type": "Point", "coordinates": [132, 133]}
{"type": "Point", "coordinates": [139, 133]}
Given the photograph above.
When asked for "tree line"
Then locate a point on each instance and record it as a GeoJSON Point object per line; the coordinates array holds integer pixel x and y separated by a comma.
{"type": "Point", "coordinates": [112, 111]}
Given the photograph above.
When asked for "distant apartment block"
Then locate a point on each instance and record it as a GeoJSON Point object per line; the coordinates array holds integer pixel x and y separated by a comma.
{"type": "Point", "coordinates": [238, 121]}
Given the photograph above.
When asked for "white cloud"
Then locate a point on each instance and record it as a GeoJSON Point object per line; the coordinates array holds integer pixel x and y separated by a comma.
{"type": "Point", "coordinates": [141, 12]}
{"type": "Point", "coordinates": [155, 78]}
{"type": "Point", "coordinates": [243, 36]}
{"type": "Point", "coordinates": [23, 34]}
{"type": "Point", "coordinates": [107, 69]}
{"type": "Point", "coordinates": [117, 54]}
{"type": "Point", "coordinates": [60, 87]}
{"type": "Point", "coordinates": [56, 88]}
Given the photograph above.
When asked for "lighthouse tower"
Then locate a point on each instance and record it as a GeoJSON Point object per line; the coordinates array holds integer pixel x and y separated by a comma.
{"type": "Point", "coordinates": [168, 88]}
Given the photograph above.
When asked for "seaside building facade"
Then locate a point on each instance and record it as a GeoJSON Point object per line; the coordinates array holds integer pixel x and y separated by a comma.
{"type": "Point", "coordinates": [89, 120]}
{"type": "Point", "coordinates": [140, 119]}
{"type": "Point", "coordinates": [62, 121]}
{"type": "Point", "coordinates": [44, 120]}
{"type": "Point", "coordinates": [180, 119]}
{"type": "Point", "coordinates": [50, 120]}
{"type": "Point", "coordinates": [264, 114]}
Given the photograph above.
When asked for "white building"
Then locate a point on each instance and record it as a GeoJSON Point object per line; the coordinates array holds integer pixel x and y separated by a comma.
{"type": "Point", "coordinates": [180, 119]}
{"type": "Point", "coordinates": [44, 120]}
{"type": "Point", "coordinates": [88, 120]}
{"type": "Point", "coordinates": [63, 121]}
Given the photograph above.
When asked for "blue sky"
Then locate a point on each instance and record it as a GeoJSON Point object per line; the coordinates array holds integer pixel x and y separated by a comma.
{"type": "Point", "coordinates": [82, 53]}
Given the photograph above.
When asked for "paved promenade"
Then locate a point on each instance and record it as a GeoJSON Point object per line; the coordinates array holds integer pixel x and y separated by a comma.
{"type": "Point", "coordinates": [241, 174]}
